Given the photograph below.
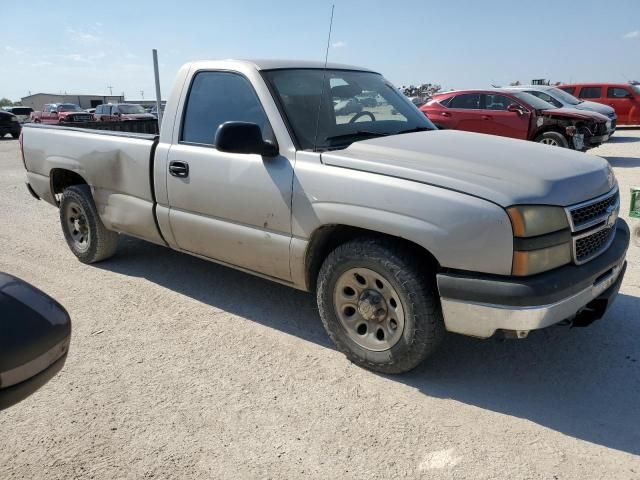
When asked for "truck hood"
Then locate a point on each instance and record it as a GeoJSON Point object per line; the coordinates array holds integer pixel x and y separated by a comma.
{"type": "Point", "coordinates": [605, 110]}
{"type": "Point", "coordinates": [568, 112]}
{"type": "Point", "coordinates": [498, 169]}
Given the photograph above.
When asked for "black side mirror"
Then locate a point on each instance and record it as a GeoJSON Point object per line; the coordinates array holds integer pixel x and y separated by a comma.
{"type": "Point", "coordinates": [243, 137]}
{"type": "Point", "coordinates": [35, 332]}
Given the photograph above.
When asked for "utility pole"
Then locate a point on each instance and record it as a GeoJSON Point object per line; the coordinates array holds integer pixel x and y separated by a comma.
{"type": "Point", "coordinates": [110, 90]}
{"type": "Point", "coordinates": [157, 77]}
{"type": "Point", "coordinates": [142, 94]}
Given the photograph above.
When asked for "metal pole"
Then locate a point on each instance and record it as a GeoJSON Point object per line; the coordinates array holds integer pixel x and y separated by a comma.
{"type": "Point", "coordinates": [158, 97]}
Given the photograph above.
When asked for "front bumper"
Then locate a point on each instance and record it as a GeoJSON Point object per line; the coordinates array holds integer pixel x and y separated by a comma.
{"type": "Point", "coordinates": [480, 304]}
{"type": "Point", "coordinates": [597, 140]}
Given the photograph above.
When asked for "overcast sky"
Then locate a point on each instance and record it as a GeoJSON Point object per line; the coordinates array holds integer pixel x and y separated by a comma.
{"type": "Point", "coordinates": [84, 47]}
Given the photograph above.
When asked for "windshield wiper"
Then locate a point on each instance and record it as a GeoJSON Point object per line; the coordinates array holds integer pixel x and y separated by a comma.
{"type": "Point", "coordinates": [417, 129]}
{"type": "Point", "coordinates": [358, 133]}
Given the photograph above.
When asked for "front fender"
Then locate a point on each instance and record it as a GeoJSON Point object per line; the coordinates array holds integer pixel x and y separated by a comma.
{"type": "Point", "coordinates": [461, 231]}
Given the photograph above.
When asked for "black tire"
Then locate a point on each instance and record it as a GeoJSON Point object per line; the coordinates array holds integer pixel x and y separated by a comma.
{"type": "Point", "coordinates": [99, 243]}
{"type": "Point", "coordinates": [423, 325]}
{"type": "Point", "coordinates": [553, 138]}
{"type": "Point", "coordinates": [15, 135]}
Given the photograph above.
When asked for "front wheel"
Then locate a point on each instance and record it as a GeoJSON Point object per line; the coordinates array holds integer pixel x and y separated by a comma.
{"type": "Point", "coordinates": [86, 235]}
{"type": "Point", "coordinates": [554, 139]}
{"type": "Point", "coordinates": [380, 309]}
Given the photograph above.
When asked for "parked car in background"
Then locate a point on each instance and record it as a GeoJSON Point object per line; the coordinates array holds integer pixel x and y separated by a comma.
{"type": "Point", "coordinates": [154, 110]}
{"type": "Point", "coordinates": [23, 113]}
{"type": "Point", "coordinates": [120, 112]}
{"type": "Point", "coordinates": [516, 114]}
{"type": "Point", "coordinates": [560, 98]}
{"type": "Point", "coordinates": [9, 124]}
{"type": "Point", "coordinates": [624, 98]}
{"type": "Point", "coordinates": [401, 230]}
{"type": "Point", "coordinates": [61, 113]}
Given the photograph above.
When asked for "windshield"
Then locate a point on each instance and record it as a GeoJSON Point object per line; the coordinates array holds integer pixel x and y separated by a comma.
{"type": "Point", "coordinates": [69, 107]}
{"type": "Point", "coordinates": [355, 106]}
{"type": "Point", "coordinates": [129, 109]}
{"type": "Point", "coordinates": [533, 101]}
{"type": "Point", "coordinates": [564, 96]}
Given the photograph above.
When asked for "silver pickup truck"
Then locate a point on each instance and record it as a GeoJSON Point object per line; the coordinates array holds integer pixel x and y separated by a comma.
{"type": "Point", "coordinates": [331, 181]}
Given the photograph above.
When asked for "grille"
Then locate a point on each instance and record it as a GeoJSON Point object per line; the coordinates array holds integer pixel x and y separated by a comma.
{"type": "Point", "coordinates": [592, 212]}
{"type": "Point", "coordinates": [591, 245]}
{"type": "Point", "coordinates": [80, 118]}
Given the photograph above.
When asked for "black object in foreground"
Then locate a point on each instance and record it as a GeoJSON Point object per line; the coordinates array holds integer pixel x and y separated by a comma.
{"type": "Point", "coordinates": [35, 332]}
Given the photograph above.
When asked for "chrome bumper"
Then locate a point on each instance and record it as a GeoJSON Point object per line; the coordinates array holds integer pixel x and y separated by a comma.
{"type": "Point", "coordinates": [483, 320]}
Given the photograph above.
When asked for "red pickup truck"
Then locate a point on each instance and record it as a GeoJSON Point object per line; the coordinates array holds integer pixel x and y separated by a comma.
{"type": "Point", "coordinates": [517, 114]}
{"type": "Point", "coordinates": [61, 113]}
{"type": "Point", "coordinates": [623, 97]}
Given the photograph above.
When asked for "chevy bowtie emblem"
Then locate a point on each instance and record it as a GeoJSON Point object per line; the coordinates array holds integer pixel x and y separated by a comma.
{"type": "Point", "coordinates": [613, 216]}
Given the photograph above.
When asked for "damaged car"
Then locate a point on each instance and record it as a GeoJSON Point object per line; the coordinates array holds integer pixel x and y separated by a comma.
{"type": "Point", "coordinates": [518, 114]}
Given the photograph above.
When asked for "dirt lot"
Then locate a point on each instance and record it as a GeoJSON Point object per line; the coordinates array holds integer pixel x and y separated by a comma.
{"type": "Point", "coordinates": [183, 369]}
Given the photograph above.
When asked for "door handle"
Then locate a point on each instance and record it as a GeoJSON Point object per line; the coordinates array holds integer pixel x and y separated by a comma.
{"type": "Point", "coordinates": [178, 168]}
{"type": "Point", "coordinates": [486, 117]}
{"type": "Point", "coordinates": [445, 114]}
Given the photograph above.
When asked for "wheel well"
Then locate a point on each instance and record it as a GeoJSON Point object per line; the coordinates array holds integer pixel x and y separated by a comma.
{"type": "Point", "coordinates": [61, 178]}
{"type": "Point", "coordinates": [327, 238]}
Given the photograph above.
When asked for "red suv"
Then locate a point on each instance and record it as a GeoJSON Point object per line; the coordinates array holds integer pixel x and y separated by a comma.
{"type": "Point", "coordinates": [517, 114]}
{"type": "Point", "coordinates": [623, 97]}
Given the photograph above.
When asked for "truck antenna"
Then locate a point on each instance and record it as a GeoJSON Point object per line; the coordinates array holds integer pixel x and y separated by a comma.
{"type": "Point", "coordinates": [324, 75]}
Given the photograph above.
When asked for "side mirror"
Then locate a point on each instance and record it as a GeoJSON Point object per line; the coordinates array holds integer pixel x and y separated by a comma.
{"type": "Point", "coordinates": [243, 137]}
{"type": "Point", "coordinates": [35, 332]}
{"type": "Point", "coordinates": [514, 107]}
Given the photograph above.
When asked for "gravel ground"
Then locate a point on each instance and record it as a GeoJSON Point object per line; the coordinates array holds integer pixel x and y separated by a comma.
{"type": "Point", "coordinates": [180, 368]}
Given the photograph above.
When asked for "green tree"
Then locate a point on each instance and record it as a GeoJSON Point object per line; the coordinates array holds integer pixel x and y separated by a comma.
{"type": "Point", "coordinates": [5, 102]}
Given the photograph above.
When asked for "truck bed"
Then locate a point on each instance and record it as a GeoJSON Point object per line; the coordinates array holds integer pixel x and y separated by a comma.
{"type": "Point", "coordinates": [117, 166]}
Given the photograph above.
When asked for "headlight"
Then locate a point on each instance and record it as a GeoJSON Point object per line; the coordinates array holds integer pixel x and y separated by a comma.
{"type": "Point", "coordinates": [542, 239]}
{"type": "Point", "coordinates": [534, 220]}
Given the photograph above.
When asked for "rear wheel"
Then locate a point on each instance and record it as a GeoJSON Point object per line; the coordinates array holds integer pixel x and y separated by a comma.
{"type": "Point", "coordinates": [86, 235]}
{"type": "Point", "coordinates": [379, 308]}
{"type": "Point", "coordinates": [554, 139]}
